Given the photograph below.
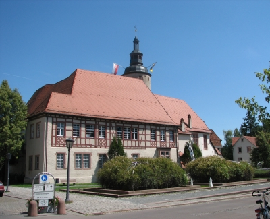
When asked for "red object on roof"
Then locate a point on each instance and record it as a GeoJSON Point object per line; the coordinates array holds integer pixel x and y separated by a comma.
{"type": "Point", "coordinates": [101, 95]}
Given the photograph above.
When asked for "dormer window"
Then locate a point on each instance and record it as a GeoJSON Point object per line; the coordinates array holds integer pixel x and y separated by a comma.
{"type": "Point", "coordinates": [189, 122]}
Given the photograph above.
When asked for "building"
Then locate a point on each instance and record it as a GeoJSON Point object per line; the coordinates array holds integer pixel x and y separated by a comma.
{"type": "Point", "coordinates": [215, 142]}
{"type": "Point", "coordinates": [242, 147]}
{"type": "Point", "coordinates": [92, 108]}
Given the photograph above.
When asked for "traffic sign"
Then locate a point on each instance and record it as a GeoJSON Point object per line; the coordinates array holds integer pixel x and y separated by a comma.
{"type": "Point", "coordinates": [43, 195]}
{"type": "Point", "coordinates": [43, 179]}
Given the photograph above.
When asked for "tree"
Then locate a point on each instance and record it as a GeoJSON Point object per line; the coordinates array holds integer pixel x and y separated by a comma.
{"type": "Point", "coordinates": [227, 149]}
{"type": "Point", "coordinates": [13, 115]}
{"type": "Point", "coordinates": [116, 148]}
{"type": "Point", "coordinates": [262, 152]}
{"type": "Point", "coordinates": [250, 126]}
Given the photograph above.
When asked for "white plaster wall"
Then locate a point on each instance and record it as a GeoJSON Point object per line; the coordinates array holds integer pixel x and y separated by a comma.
{"type": "Point", "coordinates": [182, 140]}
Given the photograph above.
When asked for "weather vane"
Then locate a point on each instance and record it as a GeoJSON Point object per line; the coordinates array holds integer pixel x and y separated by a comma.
{"type": "Point", "coordinates": [135, 29]}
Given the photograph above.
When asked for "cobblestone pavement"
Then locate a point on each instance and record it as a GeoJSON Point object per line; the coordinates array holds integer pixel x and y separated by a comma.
{"type": "Point", "coordinates": [85, 204]}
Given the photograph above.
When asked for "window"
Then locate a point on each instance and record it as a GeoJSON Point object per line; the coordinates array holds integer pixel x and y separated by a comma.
{"type": "Point", "coordinates": [119, 132]}
{"type": "Point", "coordinates": [60, 160]}
{"type": "Point", "coordinates": [153, 134]}
{"type": "Point", "coordinates": [162, 135]}
{"type": "Point", "coordinates": [38, 130]}
{"type": "Point", "coordinates": [134, 133]}
{"type": "Point", "coordinates": [90, 131]}
{"type": "Point", "coordinates": [171, 135]}
{"type": "Point", "coordinates": [60, 129]}
{"type": "Point", "coordinates": [82, 161]}
{"type": "Point", "coordinates": [165, 154]}
{"type": "Point", "coordinates": [135, 156]}
{"type": "Point", "coordinates": [76, 130]}
{"type": "Point", "coordinates": [239, 159]}
{"type": "Point", "coordinates": [102, 160]}
{"type": "Point", "coordinates": [126, 133]}
{"type": "Point", "coordinates": [30, 163]}
{"type": "Point", "coordinates": [32, 131]}
{"type": "Point", "coordinates": [248, 149]}
{"type": "Point", "coordinates": [37, 162]}
{"type": "Point", "coordinates": [240, 150]}
{"type": "Point", "coordinates": [205, 141]}
{"type": "Point", "coordinates": [195, 138]}
{"type": "Point", "coordinates": [101, 132]}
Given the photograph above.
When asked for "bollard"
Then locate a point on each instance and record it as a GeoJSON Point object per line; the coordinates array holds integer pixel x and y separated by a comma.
{"type": "Point", "coordinates": [61, 207]}
{"type": "Point", "coordinates": [32, 209]}
{"type": "Point", "coordinates": [191, 182]}
{"type": "Point", "coordinates": [210, 182]}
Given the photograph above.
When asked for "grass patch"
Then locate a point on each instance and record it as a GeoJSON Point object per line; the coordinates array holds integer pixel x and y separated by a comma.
{"type": "Point", "coordinates": [261, 174]}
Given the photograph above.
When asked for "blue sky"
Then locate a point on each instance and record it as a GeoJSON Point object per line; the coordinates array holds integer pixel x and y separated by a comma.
{"type": "Point", "coordinates": [206, 51]}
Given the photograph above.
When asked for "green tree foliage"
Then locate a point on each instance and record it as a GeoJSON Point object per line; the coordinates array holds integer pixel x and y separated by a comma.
{"type": "Point", "coordinates": [250, 126]}
{"type": "Point", "coordinates": [143, 173]}
{"type": "Point", "coordinates": [219, 169]}
{"type": "Point", "coordinates": [116, 148]}
{"type": "Point", "coordinates": [13, 113]}
{"type": "Point", "coordinates": [227, 149]}
{"type": "Point", "coordinates": [236, 133]}
{"type": "Point", "coordinates": [185, 158]}
{"type": "Point", "coordinates": [262, 113]}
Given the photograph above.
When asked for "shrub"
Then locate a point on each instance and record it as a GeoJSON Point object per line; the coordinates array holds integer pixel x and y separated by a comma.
{"type": "Point", "coordinates": [142, 173]}
{"type": "Point", "coordinates": [261, 173]}
{"type": "Point", "coordinates": [219, 169]}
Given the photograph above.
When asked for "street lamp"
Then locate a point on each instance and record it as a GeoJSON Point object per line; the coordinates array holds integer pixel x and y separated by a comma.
{"type": "Point", "coordinates": [69, 143]}
{"type": "Point", "coordinates": [8, 158]}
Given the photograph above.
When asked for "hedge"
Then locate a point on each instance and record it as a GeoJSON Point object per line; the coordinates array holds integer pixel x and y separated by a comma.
{"type": "Point", "coordinates": [219, 169]}
{"type": "Point", "coordinates": [143, 173]}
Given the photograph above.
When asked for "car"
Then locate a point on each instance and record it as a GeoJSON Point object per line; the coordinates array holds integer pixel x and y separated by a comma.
{"type": "Point", "coordinates": [2, 189]}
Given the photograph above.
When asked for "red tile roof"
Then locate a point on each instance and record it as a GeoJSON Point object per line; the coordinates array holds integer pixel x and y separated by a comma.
{"type": "Point", "coordinates": [102, 95]}
{"type": "Point", "coordinates": [252, 140]}
{"type": "Point", "coordinates": [215, 140]}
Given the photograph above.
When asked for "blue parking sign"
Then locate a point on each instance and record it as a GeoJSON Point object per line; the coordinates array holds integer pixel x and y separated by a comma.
{"type": "Point", "coordinates": [44, 178]}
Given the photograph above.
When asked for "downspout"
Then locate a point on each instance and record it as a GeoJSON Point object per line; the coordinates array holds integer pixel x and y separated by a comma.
{"type": "Point", "coordinates": [45, 147]}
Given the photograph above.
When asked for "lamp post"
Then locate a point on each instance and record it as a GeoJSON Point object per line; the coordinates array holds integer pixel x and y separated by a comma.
{"type": "Point", "coordinates": [8, 158]}
{"type": "Point", "coordinates": [69, 144]}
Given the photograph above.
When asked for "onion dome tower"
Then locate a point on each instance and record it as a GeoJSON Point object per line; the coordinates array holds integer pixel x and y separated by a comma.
{"type": "Point", "coordinates": [136, 68]}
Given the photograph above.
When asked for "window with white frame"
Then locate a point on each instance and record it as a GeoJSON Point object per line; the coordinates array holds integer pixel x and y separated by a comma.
{"type": "Point", "coordinates": [162, 135]}
{"type": "Point", "coordinates": [76, 130]}
{"type": "Point", "coordinates": [102, 159]}
{"type": "Point", "coordinates": [32, 131]}
{"type": "Point", "coordinates": [60, 129]}
{"type": "Point", "coordinates": [82, 161]}
{"type": "Point", "coordinates": [119, 132]}
{"type": "Point", "coordinates": [60, 160]}
{"type": "Point", "coordinates": [126, 133]}
{"type": "Point", "coordinates": [171, 135]}
{"type": "Point", "coordinates": [89, 131]}
{"type": "Point", "coordinates": [101, 132]}
{"type": "Point", "coordinates": [165, 153]}
{"type": "Point", "coordinates": [38, 130]}
{"type": "Point", "coordinates": [153, 134]}
{"type": "Point", "coordinates": [134, 133]}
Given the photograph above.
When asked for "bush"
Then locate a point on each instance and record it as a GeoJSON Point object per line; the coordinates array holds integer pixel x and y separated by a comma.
{"type": "Point", "coordinates": [143, 173]}
{"type": "Point", "coordinates": [219, 169]}
{"type": "Point", "coordinates": [260, 173]}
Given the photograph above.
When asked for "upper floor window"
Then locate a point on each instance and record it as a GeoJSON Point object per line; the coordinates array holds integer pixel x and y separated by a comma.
{"type": "Point", "coordinates": [195, 138]}
{"type": "Point", "coordinates": [119, 132]}
{"type": "Point", "coordinates": [205, 141]}
{"type": "Point", "coordinates": [134, 133]}
{"type": "Point", "coordinates": [171, 135]}
{"type": "Point", "coordinates": [76, 130]}
{"type": "Point", "coordinates": [38, 130]}
{"type": "Point", "coordinates": [153, 134]}
{"type": "Point", "coordinates": [101, 132]}
{"type": "Point", "coordinates": [248, 149]}
{"type": "Point", "coordinates": [162, 135]}
{"type": "Point", "coordinates": [32, 131]}
{"type": "Point", "coordinates": [240, 150]}
{"type": "Point", "coordinates": [60, 160]}
{"type": "Point", "coordinates": [126, 133]}
{"type": "Point", "coordinates": [89, 131]}
{"type": "Point", "coordinates": [60, 129]}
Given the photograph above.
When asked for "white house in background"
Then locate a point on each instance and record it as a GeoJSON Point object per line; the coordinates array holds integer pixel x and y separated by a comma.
{"type": "Point", "coordinates": [242, 147]}
{"type": "Point", "coordinates": [92, 108]}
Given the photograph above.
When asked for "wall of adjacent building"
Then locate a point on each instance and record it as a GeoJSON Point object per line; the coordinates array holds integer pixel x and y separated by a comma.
{"type": "Point", "coordinates": [244, 144]}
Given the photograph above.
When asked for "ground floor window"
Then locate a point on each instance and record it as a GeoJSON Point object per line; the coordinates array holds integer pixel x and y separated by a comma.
{"type": "Point", "coordinates": [82, 160]}
{"type": "Point", "coordinates": [135, 156]}
{"type": "Point", "coordinates": [102, 159]}
{"type": "Point", "coordinates": [165, 153]}
{"type": "Point", "coordinates": [37, 162]}
{"type": "Point", "coordinates": [60, 160]}
{"type": "Point", "coordinates": [30, 163]}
